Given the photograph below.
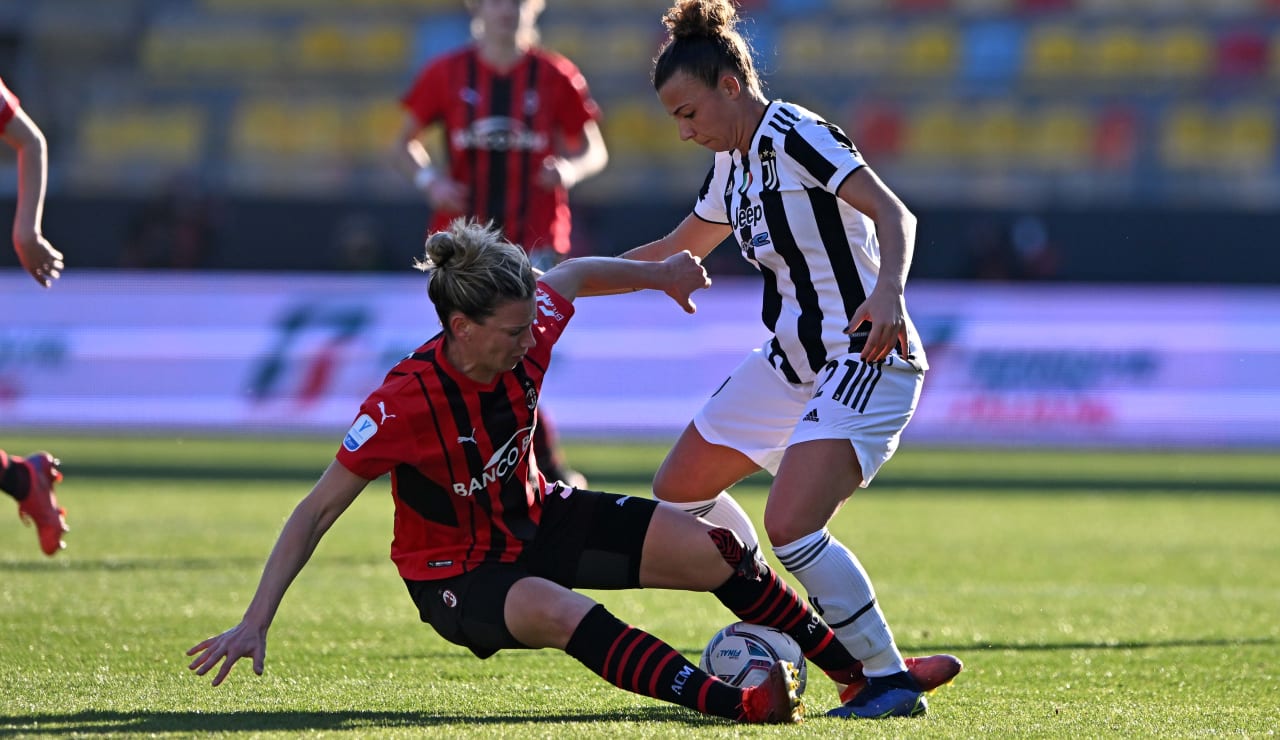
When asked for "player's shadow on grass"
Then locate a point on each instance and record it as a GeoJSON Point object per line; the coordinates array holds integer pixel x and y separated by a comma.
{"type": "Point", "coordinates": [142, 723]}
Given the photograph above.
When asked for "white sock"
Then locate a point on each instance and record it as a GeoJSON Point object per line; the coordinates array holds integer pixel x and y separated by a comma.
{"type": "Point", "coordinates": [723, 511]}
{"type": "Point", "coordinates": [841, 592]}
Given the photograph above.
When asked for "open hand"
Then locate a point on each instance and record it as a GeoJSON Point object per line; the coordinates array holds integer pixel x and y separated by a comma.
{"type": "Point", "coordinates": [888, 316]}
{"type": "Point", "coordinates": [38, 257]}
{"type": "Point", "coordinates": [229, 647]}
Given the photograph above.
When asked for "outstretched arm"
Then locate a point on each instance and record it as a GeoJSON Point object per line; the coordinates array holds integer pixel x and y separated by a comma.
{"type": "Point", "coordinates": [312, 517]}
{"type": "Point", "coordinates": [693, 235]}
{"type": "Point", "coordinates": [35, 252]}
{"type": "Point", "coordinates": [886, 307]}
{"type": "Point", "coordinates": [678, 276]}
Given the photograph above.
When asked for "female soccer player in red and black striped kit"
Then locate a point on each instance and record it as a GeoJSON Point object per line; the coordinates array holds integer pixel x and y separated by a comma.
{"type": "Point", "coordinates": [30, 480]}
{"type": "Point", "coordinates": [489, 550]}
{"type": "Point", "coordinates": [520, 130]}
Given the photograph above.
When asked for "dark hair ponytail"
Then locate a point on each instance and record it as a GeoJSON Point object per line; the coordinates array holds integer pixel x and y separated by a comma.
{"type": "Point", "coordinates": [703, 42]}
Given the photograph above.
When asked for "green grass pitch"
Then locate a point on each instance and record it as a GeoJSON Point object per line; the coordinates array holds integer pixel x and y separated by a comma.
{"type": "Point", "coordinates": [1090, 594]}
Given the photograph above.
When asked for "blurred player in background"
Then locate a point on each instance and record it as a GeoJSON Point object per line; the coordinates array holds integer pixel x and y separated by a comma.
{"type": "Point", "coordinates": [520, 130]}
{"type": "Point", "coordinates": [30, 480]}
{"type": "Point", "coordinates": [822, 404]}
{"type": "Point", "coordinates": [488, 549]}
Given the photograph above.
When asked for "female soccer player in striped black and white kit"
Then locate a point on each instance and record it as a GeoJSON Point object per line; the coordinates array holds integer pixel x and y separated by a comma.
{"type": "Point", "coordinates": [490, 552]}
{"type": "Point", "coordinates": [822, 404]}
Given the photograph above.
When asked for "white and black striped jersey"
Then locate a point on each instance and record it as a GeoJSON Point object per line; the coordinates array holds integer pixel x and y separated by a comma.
{"type": "Point", "coordinates": [818, 255]}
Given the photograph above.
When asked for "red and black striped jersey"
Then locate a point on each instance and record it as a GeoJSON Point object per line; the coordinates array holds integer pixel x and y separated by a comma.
{"type": "Point", "coordinates": [8, 106]}
{"type": "Point", "coordinates": [467, 490]}
{"type": "Point", "coordinates": [500, 127]}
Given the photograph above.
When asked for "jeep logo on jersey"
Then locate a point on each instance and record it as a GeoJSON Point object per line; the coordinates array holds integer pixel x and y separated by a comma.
{"type": "Point", "coordinates": [500, 465]}
{"type": "Point", "coordinates": [500, 134]}
{"type": "Point", "coordinates": [748, 216]}
{"type": "Point", "coordinates": [360, 432]}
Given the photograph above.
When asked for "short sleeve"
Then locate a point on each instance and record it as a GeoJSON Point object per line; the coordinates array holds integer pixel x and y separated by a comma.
{"type": "Point", "coordinates": [574, 106]}
{"type": "Point", "coordinates": [380, 438]}
{"type": "Point", "coordinates": [553, 314]}
{"type": "Point", "coordinates": [710, 205]}
{"type": "Point", "coordinates": [425, 98]}
{"type": "Point", "coordinates": [8, 106]}
{"type": "Point", "coordinates": [824, 156]}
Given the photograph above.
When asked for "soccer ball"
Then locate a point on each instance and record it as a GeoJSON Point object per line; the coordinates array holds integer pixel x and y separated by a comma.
{"type": "Point", "coordinates": [742, 654]}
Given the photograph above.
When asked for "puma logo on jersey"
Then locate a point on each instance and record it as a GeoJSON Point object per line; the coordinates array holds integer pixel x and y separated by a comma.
{"type": "Point", "coordinates": [471, 439]}
{"type": "Point", "coordinates": [382, 406]}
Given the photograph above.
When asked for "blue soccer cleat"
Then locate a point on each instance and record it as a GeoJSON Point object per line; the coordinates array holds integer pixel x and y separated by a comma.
{"type": "Point", "coordinates": [897, 695]}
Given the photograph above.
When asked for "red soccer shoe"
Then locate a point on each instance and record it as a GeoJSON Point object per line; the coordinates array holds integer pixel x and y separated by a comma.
{"type": "Point", "coordinates": [40, 505]}
{"type": "Point", "coordinates": [775, 701]}
{"type": "Point", "coordinates": [930, 671]}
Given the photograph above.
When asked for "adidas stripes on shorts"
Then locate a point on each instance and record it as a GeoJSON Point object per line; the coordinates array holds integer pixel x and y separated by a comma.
{"type": "Point", "coordinates": [758, 413]}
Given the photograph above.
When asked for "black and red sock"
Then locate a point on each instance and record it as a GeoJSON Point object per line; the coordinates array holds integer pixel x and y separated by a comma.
{"type": "Point", "coordinates": [756, 594]}
{"type": "Point", "coordinates": [15, 477]}
{"type": "Point", "coordinates": [632, 659]}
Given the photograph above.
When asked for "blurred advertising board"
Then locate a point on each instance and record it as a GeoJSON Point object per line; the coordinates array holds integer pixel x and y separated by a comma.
{"type": "Point", "coordinates": [1033, 364]}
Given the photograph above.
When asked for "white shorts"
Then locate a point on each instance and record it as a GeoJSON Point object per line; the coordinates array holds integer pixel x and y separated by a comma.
{"type": "Point", "coordinates": [758, 413]}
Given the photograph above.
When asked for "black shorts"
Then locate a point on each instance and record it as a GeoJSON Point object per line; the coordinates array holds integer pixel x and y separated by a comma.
{"type": "Point", "coordinates": [586, 539]}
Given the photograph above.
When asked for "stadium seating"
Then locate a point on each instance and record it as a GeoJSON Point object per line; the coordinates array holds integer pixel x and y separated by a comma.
{"type": "Point", "coordinates": [1143, 88]}
{"type": "Point", "coordinates": [1053, 53]}
{"type": "Point", "coordinates": [1181, 53]}
{"type": "Point", "coordinates": [145, 142]}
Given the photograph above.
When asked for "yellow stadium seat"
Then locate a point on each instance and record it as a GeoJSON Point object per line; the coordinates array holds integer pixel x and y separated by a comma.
{"type": "Point", "coordinates": [806, 48]}
{"type": "Point", "coordinates": [1186, 137]}
{"type": "Point", "coordinates": [226, 52]}
{"type": "Point", "coordinates": [1247, 138]}
{"type": "Point", "coordinates": [934, 136]}
{"type": "Point", "coordinates": [863, 49]}
{"type": "Point", "coordinates": [632, 130]}
{"type": "Point", "coordinates": [624, 48]}
{"type": "Point", "coordinates": [1117, 53]}
{"type": "Point", "coordinates": [333, 47]}
{"type": "Point", "coordinates": [260, 128]}
{"type": "Point", "coordinates": [1181, 53]}
{"type": "Point", "coordinates": [1053, 53]}
{"type": "Point", "coordinates": [928, 51]}
{"type": "Point", "coordinates": [320, 47]}
{"type": "Point", "coordinates": [571, 40]}
{"type": "Point", "coordinates": [373, 126]}
{"type": "Point", "coordinates": [995, 135]}
{"type": "Point", "coordinates": [1059, 137]}
{"type": "Point", "coordinates": [168, 135]}
{"type": "Point", "coordinates": [284, 127]}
